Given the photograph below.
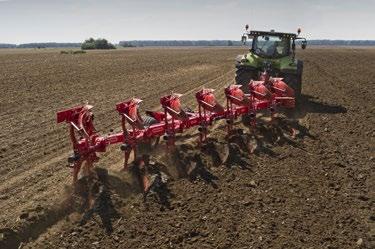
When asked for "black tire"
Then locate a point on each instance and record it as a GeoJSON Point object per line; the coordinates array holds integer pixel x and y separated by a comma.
{"type": "Point", "coordinates": [295, 80]}
{"type": "Point", "coordinates": [243, 77]}
{"type": "Point", "coordinates": [148, 121]}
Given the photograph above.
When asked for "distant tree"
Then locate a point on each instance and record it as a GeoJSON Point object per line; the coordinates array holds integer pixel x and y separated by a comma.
{"type": "Point", "coordinates": [127, 44]}
{"type": "Point", "coordinates": [49, 45]}
{"type": "Point", "coordinates": [97, 44]}
{"type": "Point", "coordinates": [5, 45]}
{"type": "Point", "coordinates": [230, 43]}
{"type": "Point", "coordinates": [88, 44]}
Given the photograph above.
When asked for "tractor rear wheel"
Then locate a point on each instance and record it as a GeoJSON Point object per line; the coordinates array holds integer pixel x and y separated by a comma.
{"type": "Point", "coordinates": [295, 80]}
{"type": "Point", "coordinates": [243, 77]}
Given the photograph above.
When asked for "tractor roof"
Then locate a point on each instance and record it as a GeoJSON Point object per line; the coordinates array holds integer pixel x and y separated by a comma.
{"type": "Point", "coordinates": [273, 33]}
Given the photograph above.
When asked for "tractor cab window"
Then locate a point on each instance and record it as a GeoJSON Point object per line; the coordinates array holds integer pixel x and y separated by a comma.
{"type": "Point", "coordinates": [271, 46]}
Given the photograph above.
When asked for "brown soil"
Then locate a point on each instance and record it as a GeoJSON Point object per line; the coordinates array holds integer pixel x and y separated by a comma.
{"type": "Point", "coordinates": [315, 191]}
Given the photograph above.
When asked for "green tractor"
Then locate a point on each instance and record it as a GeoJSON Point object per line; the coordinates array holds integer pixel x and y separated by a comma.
{"type": "Point", "coordinates": [275, 49]}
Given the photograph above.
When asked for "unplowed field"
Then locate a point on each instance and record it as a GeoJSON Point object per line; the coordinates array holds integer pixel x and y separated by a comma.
{"type": "Point", "coordinates": [315, 192]}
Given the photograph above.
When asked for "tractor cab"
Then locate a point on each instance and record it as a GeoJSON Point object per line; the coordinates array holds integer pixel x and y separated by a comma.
{"type": "Point", "coordinates": [273, 45]}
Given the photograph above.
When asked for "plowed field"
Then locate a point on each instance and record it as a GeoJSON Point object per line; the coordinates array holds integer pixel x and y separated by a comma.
{"type": "Point", "coordinates": [315, 192]}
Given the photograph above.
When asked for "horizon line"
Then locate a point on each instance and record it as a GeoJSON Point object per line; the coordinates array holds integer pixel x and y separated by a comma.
{"type": "Point", "coordinates": [320, 39]}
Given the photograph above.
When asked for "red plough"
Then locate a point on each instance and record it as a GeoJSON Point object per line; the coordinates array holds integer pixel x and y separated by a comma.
{"type": "Point", "coordinates": [265, 94]}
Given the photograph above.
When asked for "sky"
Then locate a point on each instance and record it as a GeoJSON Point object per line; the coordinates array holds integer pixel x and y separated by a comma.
{"type": "Point", "coordinates": [23, 21]}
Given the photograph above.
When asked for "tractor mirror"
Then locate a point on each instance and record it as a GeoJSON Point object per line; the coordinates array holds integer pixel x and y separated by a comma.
{"type": "Point", "coordinates": [243, 39]}
{"type": "Point", "coordinates": [247, 27]}
{"type": "Point", "coordinates": [303, 44]}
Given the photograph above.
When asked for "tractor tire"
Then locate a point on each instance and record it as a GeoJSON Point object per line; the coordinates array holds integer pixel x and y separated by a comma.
{"type": "Point", "coordinates": [295, 80]}
{"type": "Point", "coordinates": [243, 77]}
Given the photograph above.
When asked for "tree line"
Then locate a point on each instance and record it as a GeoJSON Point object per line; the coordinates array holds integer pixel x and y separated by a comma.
{"type": "Point", "coordinates": [178, 43]}
{"type": "Point", "coordinates": [103, 44]}
{"type": "Point", "coordinates": [167, 43]}
{"type": "Point", "coordinates": [90, 43]}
